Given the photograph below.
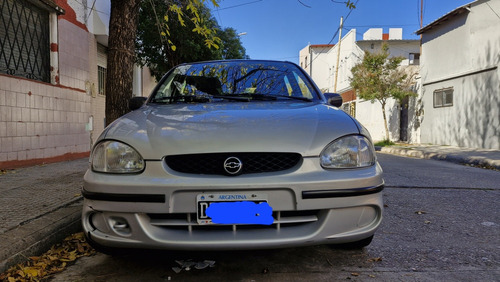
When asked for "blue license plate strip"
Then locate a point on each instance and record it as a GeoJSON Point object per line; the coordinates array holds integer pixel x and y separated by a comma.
{"type": "Point", "coordinates": [233, 209]}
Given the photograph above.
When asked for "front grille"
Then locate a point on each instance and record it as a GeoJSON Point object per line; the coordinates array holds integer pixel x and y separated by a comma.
{"type": "Point", "coordinates": [214, 163]}
{"type": "Point", "coordinates": [187, 221]}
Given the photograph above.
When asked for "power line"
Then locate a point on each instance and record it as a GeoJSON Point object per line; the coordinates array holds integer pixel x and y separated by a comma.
{"type": "Point", "coordinates": [239, 5]}
{"type": "Point", "coordinates": [336, 32]}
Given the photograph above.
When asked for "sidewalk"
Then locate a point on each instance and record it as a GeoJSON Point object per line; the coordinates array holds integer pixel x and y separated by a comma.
{"type": "Point", "coordinates": [484, 158]}
{"type": "Point", "coordinates": [41, 205]}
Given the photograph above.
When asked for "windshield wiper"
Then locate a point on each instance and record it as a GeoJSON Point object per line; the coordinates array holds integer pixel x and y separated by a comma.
{"type": "Point", "coordinates": [232, 97]}
{"type": "Point", "coordinates": [269, 97]}
{"type": "Point", "coordinates": [293, 97]}
{"type": "Point", "coordinates": [184, 98]}
{"type": "Point", "coordinates": [253, 96]}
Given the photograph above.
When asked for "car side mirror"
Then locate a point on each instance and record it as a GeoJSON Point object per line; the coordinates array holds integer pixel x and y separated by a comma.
{"type": "Point", "coordinates": [333, 99]}
{"type": "Point", "coordinates": [136, 102]}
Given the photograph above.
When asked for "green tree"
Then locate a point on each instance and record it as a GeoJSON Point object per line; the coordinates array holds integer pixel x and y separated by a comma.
{"type": "Point", "coordinates": [161, 51]}
{"type": "Point", "coordinates": [379, 77]}
{"type": "Point", "coordinates": [121, 48]}
{"type": "Point", "coordinates": [231, 47]}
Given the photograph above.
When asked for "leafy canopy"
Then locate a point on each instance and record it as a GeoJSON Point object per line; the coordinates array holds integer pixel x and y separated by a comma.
{"type": "Point", "coordinates": [379, 77]}
{"type": "Point", "coordinates": [171, 34]}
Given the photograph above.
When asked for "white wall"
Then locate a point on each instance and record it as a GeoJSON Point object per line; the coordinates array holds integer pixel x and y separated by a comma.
{"type": "Point", "coordinates": [370, 116]}
{"type": "Point", "coordinates": [321, 68]}
{"type": "Point", "coordinates": [350, 55]}
{"type": "Point", "coordinates": [463, 53]}
{"type": "Point", "coordinates": [396, 48]}
{"type": "Point", "coordinates": [314, 60]}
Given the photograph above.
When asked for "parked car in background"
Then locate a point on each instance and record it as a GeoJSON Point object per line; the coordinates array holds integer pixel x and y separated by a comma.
{"type": "Point", "coordinates": [237, 154]}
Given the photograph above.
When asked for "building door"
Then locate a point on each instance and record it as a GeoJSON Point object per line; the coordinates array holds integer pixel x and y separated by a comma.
{"type": "Point", "coordinates": [403, 120]}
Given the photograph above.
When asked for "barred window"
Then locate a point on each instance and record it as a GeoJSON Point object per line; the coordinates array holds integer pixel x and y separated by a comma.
{"type": "Point", "coordinates": [24, 40]}
{"type": "Point", "coordinates": [101, 72]}
{"type": "Point", "coordinates": [443, 97]}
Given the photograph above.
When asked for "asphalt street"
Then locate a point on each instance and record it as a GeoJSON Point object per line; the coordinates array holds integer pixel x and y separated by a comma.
{"type": "Point", "coordinates": [441, 223]}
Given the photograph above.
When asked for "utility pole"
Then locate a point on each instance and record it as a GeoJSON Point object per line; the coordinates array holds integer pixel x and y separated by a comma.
{"type": "Point", "coordinates": [310, 61]}
{"type": "Point", "coordinates": [338, 55]}
{"type": "Point", "coordinates": [421, 13]}
{"type": "Point", "coordinates": [421, 23]}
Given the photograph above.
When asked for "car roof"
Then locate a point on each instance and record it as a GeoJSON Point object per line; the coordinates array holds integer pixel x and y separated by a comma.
{"type": "Point", "coordinates": [238, 60]}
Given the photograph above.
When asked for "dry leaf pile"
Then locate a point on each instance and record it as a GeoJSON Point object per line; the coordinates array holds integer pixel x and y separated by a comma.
{"type": "Point", "coordinates": [53, 261]}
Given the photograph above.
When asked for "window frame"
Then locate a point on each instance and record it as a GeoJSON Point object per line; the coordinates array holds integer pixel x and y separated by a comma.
{"type": "Point", "coordinates": [101, 80]}
{"type": "Point", "coordinates": [440, 97]}
{"type": "Point", "coordinates": [414, 59]}
{"type": "Point", "coordinates": [26, 47]}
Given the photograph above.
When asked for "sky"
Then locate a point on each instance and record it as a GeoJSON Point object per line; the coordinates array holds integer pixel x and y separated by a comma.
{"type": "Point", "coordinates": [279, 29]}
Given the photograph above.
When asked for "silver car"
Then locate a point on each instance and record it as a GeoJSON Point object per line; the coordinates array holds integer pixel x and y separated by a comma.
{"type": "Point", "coordinates": [233, 155]}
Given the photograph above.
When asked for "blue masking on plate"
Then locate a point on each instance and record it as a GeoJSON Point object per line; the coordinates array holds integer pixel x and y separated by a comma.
{"type": "Point", "coordinates": [240, 213]}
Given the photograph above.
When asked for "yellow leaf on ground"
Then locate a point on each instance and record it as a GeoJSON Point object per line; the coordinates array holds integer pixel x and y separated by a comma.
{"type": "Point", "coordinates": [31, 271]}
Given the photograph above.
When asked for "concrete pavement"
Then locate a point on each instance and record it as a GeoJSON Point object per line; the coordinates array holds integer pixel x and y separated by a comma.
{"type": "Point", "coordinates": [41, 205]}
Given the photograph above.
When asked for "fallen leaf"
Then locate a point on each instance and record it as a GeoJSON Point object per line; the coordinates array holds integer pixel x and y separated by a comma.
{"type": "Point", "coordinates": [420, 212]}
{"type": "Point", "coordinates": [375, 259]}
{"type": "Point", "coordinates": [354, 274]}
{"type": "Point", "coordinates": [31, 271]}
{"type": "Point", "coordinates": [53, 261]}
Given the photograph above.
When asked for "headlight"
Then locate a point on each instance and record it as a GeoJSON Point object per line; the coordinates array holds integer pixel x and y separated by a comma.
{"type": "Point", "coordinates": [348, 152]}
{"type": "Point", "coordinates": [116, 157]}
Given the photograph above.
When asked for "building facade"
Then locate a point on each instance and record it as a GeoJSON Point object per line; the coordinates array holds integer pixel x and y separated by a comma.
{"type": "Point", "coordinates": [52, 79]}
{"type": "Point", "coordinates": [460, 73]}
{"type": "Point", "coordinates": [331, 70]}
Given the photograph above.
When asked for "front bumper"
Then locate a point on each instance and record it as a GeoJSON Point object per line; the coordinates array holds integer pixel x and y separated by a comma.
{"type": "Point", "coordinates": [310, 206]}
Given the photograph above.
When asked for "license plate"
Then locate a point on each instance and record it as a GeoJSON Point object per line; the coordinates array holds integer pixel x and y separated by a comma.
{"type": "Point", "coordinates": [233, 209]}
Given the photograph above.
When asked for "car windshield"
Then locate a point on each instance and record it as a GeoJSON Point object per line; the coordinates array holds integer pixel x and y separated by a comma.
{"type": "Point", "coordinates": [239, 81]}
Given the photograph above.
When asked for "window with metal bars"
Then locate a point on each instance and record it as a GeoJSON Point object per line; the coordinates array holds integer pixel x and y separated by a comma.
{"type": "Point", "coordinates": [101, 72]}
{"type": "Point", "coordinates": [24, 40]}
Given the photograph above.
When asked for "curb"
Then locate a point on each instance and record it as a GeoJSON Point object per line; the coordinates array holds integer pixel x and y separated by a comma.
{"type": "Point", "coordinates": [457, 157]}
{"type": "Point", "coordinates": [37, 236]}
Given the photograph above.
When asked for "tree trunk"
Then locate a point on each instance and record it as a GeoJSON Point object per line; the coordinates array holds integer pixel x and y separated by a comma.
{"type": "Point", "coordinates": [385, 122]}
{"type": "Point", "coordinates": [121, 44]}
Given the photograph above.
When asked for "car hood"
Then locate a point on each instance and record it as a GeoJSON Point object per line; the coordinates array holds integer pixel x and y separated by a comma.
{"type": "Point", "coordinates": [278, 126]}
